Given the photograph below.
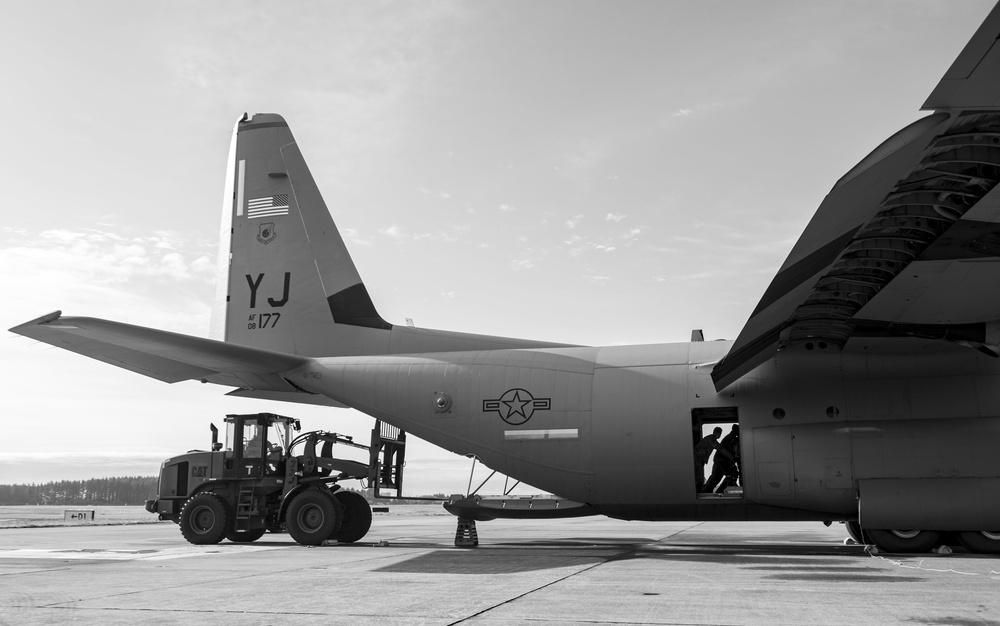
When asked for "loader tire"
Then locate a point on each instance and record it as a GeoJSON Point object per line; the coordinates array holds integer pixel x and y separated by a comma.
{"type": "Point", "coordinates": [312, 517]}
{"type": "Point", "coordinates": [205, 519]}
{"type": "Point", "coordinates": [357, 517]}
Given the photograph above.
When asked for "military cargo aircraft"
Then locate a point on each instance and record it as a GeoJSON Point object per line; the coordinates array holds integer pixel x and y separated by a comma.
{"type": "Point", "coordinates": [865, 385]}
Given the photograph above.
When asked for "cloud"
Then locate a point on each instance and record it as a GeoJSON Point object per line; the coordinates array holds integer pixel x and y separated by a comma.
{"type": "Point", "coordinates": [632, 235]}
{"type": "Point", "coordinates": [352, 235]}
{"type": "Point", "coordinates": [686, 239]}
{"type": "Point", "coordinates": [573, 221]}
{"type": "Point", "coordinates": [507, 208]}
{"type": "Point", "coordinates": [577, 246]}
{"type": "Point", "coordinates": [393, 231]}
{"type": "Point", "coordinates": [108, 257]}
{"type": "Point", "coordinates": [587, 154]}
{"type": "Point", "coordinates": [615, 217]}
{"type": "Point", "coordinates": [697, 109]}
{"type": "Point", "coordinates": [110, 274]}
{"type": "Point", "coordinates": [399, 234]}
{"type": "Point", "coordinates": [196, 65]}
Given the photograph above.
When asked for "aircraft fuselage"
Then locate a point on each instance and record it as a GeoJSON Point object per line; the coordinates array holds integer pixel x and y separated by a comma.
{"type": "Point", "coordinates": [615, 427]}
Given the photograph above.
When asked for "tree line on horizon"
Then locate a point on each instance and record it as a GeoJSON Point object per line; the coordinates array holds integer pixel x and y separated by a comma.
{"type": "Point", "coordinates": [114, 491]}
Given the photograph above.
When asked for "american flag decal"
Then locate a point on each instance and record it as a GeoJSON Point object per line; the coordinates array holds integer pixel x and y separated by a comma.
{"type": "Point", "coordinates": [268, 206]}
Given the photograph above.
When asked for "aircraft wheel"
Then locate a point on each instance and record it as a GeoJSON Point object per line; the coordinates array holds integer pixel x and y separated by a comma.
{"type": "Point", "coordinates": [245, 536]}
{"type": "Point", "coordinates": [904, 540]}
{"type": "Point", "coordinates": [312, 516]}
{"type": "Point", "coordinates": [204, 519]}
{"type": "Point", "coordinates": [357, 517]}
{"type": "Point", "coordinates": [857, 533]}
{"type": "Point", "coordinates": [983, 541]}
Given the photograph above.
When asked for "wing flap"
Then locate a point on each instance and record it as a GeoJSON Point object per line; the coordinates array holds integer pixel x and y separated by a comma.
{"type": "Point", "coordinates": [842, 215]}
{"type": "Point", "coordinates": [163, 355]}
{"type": "Point", "coordinates": [907, 243]}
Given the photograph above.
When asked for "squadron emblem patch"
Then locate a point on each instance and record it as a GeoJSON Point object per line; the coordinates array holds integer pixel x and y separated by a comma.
{"type": "Point", "coordinates": [266, 234]}
{"type": "Point", "coordinates": [516, 406]}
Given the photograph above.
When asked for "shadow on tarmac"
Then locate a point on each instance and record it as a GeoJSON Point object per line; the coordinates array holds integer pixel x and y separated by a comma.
{"type": "Point", "coordinates": [482, 561]}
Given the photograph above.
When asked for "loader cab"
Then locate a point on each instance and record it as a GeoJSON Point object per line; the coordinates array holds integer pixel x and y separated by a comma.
{"type": "Point", "coordinates": [257, 444]}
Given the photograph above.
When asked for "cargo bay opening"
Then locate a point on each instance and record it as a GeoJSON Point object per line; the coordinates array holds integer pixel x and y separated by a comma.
{"type": "Point", "coordinates": [717, 453]}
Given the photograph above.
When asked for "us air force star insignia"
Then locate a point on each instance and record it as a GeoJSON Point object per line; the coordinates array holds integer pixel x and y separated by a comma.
{"type": "Point", "coordinates": [266, 233]}
{"type": "Point", "coordinates": [516, 406]}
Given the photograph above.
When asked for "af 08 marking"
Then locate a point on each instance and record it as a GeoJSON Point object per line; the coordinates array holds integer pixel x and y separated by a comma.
{"type": "Point", "coordinates": [255, 284]}
{"type": "Point", "coordinates": [265, 320]}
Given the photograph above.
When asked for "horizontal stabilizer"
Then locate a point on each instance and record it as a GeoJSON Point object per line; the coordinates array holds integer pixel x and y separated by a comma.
{"type": "Point", "coordinates": [300, 397]}
{"type": "Point", "coordinates": [166, 356]}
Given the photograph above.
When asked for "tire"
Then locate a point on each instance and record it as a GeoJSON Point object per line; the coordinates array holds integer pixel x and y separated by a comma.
{"type": "Point", "coordinates": [312, 517]}
{"type": "Point", "coordinates": [904, 540]}
{"type": "Point", "coordinates": [357, 517]}
{"type": "Point", "coordinates": [982, 541]}
{"type": "Point", "coordinates": [205, 519]}
{"type": "Point", "coordinates": [857, 533]}
{"type": "Point", "coordinates": [245, 536]}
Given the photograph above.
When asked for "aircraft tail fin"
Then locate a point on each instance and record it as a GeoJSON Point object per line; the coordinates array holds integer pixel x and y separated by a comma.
{"type": "Point", "coordinates": [287, 290]}
{"type": "Point", "coordinates": [286, 280]}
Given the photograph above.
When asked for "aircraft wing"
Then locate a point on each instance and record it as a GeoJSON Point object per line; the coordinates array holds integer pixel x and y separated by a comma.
{"type": "Point", "coordinates": [169, 357]}
{"type": "Point", "coordinates": [907, 243]}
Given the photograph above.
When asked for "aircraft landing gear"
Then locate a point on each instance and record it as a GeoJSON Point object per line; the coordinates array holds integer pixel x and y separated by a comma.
{"type": "Point", "coordinates": [466, 535]}
{"type": "Point", "coordinates": [904, 540]}
{"type": "Point", "coordinates": [983, 541]}
{"type": "Point", "coordinates": [856, 533]}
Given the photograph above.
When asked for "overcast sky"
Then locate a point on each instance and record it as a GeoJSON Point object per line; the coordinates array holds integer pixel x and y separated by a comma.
{"type": "Point", "coordinates": [587, 172]}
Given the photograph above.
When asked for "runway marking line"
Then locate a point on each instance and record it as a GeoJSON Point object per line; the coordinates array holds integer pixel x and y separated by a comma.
{"type": "Point", "coordinates": [611, 559]}
{"type": "Point", "coordinates": [98, 554]}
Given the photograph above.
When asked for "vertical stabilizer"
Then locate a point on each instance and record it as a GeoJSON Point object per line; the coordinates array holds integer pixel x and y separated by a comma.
{"type": "Point", "coordinates": [287, 282]}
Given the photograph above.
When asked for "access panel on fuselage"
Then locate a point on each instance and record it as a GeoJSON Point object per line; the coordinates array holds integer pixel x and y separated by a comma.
{"type": "Point", "coordinates": [642, 435]}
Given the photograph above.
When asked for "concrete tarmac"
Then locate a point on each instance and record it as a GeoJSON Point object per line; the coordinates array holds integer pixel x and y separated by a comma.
{"type": "Point", "coordinates": [577, 571]}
